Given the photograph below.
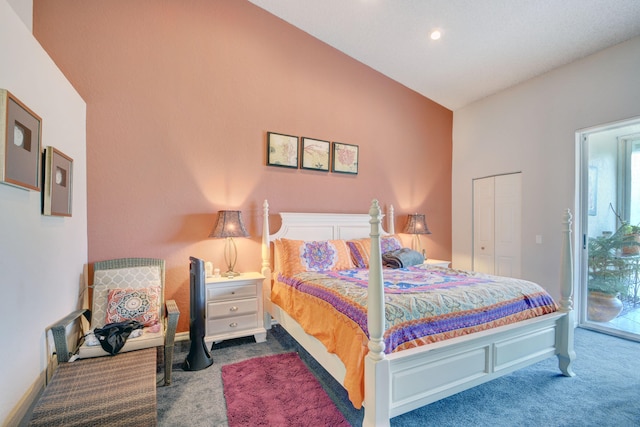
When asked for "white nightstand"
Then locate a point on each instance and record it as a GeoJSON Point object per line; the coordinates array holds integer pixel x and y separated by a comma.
{"type": "Point", "coordinates": [437, 262]}
{"type": "Point", "coordinates": [234, 308]}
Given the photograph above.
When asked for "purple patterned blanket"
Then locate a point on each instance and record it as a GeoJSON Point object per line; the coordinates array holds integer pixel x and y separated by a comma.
{"type": "Point", "coordinates": [423, 304]}
{"type": "Point", "coordinates": [423, 301]}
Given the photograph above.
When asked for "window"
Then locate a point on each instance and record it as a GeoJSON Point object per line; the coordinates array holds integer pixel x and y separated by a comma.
{"type": "Point", "coordinates": [628, 205]}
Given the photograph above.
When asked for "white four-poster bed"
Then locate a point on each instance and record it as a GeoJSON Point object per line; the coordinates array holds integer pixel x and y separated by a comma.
{"type": "Point", "coordinates": [402, 381]}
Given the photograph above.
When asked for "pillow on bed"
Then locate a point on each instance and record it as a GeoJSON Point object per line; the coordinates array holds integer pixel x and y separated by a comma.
{"type": "Point", "coordinates": [278, 255]}
{"type": "Point", "coordinates": [361, 249]}
{"type": "Point", "coordinates": [323, 255]}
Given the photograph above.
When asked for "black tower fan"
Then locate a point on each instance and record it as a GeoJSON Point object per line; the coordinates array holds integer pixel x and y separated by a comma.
{"type": "Point", "coordinates": [199, 356]}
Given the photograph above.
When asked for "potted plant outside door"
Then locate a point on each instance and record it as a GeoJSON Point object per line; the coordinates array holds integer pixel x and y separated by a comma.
{"type": "Point", "coordinates": [607, 272]}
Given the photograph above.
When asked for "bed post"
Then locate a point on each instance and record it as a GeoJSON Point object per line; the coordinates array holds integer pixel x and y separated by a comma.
{"type": "Point", "coordinates": [391, 221]}
{"type": "Point", "coordinates": [266, 267]}
{"type": "Point", "coordinates": [566, 352]}
{"type": "Point", "coordinates": [376, 366]}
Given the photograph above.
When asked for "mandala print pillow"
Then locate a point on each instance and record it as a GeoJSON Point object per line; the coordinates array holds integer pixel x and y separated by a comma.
{"type": "Point", "coordinates": [141, 304]}
{"type": "Point", "coordinates": [321, 255]}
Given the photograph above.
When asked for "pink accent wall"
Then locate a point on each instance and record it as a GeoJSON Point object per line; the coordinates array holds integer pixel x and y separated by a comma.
{"type": "Point", "coordinates": [180, 97]}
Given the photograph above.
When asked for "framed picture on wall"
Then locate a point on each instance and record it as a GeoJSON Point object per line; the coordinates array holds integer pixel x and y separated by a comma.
{"type": "Point", "coordinates": [58, 181]}
{"type": "Point", "coordinates": [345, 158]}
{"type": "Point", "coordinates": [282, 150]}
{"type": "Point", "coordinates": [19, 143]}
{"type": "Point", "coordinates": [315, 154]}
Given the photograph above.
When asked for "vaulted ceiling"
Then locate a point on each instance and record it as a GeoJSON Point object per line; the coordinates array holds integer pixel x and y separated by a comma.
{"type": "Point", "coordinates": [485, 45]}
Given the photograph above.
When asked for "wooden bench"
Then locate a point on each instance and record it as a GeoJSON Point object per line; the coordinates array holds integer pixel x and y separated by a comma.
{"type": "Point", "coordinates": [110, 391]}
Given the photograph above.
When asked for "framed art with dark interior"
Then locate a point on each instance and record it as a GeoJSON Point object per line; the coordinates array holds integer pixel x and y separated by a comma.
{"type": "Point", "coordinates": [315, 154]}
{"type": "Point", "coordinates": [58, 181]}
{"type": "Point", "coordinates": [282, 150]}
{"type": "Point", "coordinates": [20, 130]}
{"type": "Point", "coordinates": [345, 158]}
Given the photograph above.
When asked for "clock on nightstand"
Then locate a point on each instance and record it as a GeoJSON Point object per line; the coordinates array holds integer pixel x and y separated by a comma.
{"type": "Point", "coordinates": [234, 308]}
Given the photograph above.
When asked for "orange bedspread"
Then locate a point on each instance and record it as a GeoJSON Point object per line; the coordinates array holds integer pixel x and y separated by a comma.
{"type": "Point", "coordinates": [338, 333]}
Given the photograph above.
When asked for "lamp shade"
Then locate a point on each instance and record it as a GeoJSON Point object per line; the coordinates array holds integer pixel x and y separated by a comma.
{"type": "Point", "coordinates": [416, 224]}
{"type": "Point", "coordinates": [229, 224]}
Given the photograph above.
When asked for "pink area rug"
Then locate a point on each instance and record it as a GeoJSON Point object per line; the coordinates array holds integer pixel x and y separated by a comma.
{"type": "Point", "coordinates": [277, 390]}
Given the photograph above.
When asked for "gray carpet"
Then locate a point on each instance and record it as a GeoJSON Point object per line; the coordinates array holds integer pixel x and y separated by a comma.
{"type": "Point", "coordinates": [605, 391]}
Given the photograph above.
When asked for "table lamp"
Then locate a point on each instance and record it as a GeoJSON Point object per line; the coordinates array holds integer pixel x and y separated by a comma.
{"type": "Point", "coordinates": [229, 225]}
{"type": "Point", "coordinates": [416, 225]}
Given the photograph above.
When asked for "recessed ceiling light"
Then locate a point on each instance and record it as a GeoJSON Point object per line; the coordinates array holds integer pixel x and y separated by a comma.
{"type": "Point", "coordinates": [435, 35]}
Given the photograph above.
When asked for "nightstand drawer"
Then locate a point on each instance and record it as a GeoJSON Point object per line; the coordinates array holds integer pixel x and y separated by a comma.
{"type": "Point", "coordinates": [218, 293]}
{"type": "Point", "coordinates": [232, 324]}
{"type": "Point", "coordinates": [231, 308]}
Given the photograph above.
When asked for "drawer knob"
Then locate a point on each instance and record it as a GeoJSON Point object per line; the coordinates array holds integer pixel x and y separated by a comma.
{"type": "Point", "coordinates": [233, 325]}
{"type": "Point", "coordinates": [234, 292]}
{"type": "Point", "coordinates": [234, 308]}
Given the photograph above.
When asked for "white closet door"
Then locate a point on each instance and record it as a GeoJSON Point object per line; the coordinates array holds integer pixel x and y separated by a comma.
{"type": "Point", "coordinates": [508, 218]}
{"type": "Point", "coordinates": [483, 225]}
{"type": "Point", "coordinates": [497, 213]}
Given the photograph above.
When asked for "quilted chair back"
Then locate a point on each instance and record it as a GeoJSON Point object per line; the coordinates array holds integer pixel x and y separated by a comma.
{"type": "Point", "coordinates": [129, 288]}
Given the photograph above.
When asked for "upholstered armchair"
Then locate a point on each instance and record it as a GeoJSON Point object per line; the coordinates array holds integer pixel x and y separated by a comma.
{"type": "Point", "coordinates": [127, 288]}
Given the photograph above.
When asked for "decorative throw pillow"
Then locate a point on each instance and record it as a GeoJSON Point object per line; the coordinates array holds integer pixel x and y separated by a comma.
{"type": "Point", "coordinates": [323, 255]}
{"type": "Point", "coordinates": [390, 243]}
{"type": "Point", "coordinates": [361, 249]}
{"type": "Point", "coordinates": [278, 255]}
{"type": "Point", "coordinates": [134, 304]}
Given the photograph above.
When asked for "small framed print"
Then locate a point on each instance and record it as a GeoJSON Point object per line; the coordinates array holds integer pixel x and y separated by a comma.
{"type": "Point", "coordinates": [345, 158]}
{"type": "Point", "coordinates": [282, 150]}
{"type": "Point", "coordinates": [315, 154]}
{"type": "Point", "coordinates": [19, 143]}
{"type": "Point", "coordinates": [58, 181]}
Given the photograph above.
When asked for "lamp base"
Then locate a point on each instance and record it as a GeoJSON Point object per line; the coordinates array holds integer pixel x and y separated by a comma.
{"type": "Point", "coordinates": [415, 243]}
{"type": "Point", "coordinates": [230, 274]}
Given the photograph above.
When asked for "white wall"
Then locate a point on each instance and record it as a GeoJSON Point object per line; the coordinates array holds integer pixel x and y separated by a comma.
{"type": "Point", "coordinates": [24, 9]}
{"type": "Point", "coordinates": [41, 258]}
{"type": "Point", "coordinates": [531, 128]}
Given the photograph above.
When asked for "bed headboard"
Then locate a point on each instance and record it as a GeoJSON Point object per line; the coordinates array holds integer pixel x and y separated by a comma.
{"type": "Point", "coordinates": [326, 226]}
{"type": "Point", "coordinates": [317, 226]}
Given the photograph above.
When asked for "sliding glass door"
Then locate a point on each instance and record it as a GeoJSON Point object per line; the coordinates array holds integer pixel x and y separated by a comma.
{"type": "Point", "coordinates": [610, 183]}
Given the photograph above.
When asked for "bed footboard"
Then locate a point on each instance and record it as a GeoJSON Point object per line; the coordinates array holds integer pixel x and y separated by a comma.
{"type": "Point", "coordinates": [465, 363]}
{"type": "Point", "coordinates": [461, 363]}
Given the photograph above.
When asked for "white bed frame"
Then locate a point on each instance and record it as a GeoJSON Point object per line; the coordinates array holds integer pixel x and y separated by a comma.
{"type": "Point", "coordinates": [392, 382]}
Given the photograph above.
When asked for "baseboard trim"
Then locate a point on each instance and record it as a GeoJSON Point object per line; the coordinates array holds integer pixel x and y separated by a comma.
{"type": "Point", "coordinates": [182, 336]}
{"type": "Point", "coordinates": [23, 408]}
